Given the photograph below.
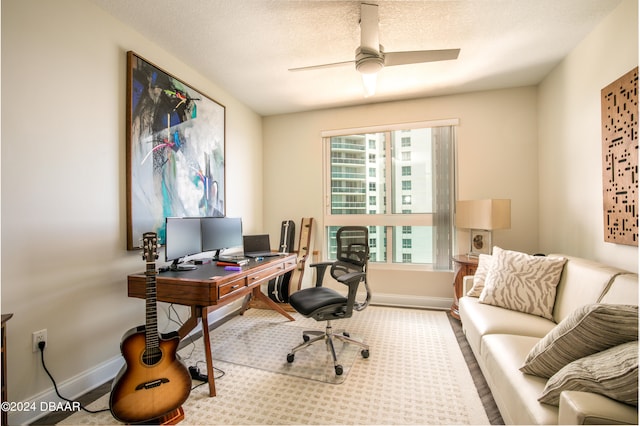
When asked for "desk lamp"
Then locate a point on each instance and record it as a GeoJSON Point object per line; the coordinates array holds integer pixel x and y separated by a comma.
{"type": "Point", "coordinates": [481, 217]}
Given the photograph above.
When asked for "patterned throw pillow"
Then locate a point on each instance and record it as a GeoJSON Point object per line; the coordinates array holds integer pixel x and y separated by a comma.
{"type": "Point", "coordinates": [587, 330]}
{"type": "Point", "coordinates": [484, 263]}
{"type": "Point", "coordinates": [612, 373]}
{"type": "Point", "coordinates": [523, 283]}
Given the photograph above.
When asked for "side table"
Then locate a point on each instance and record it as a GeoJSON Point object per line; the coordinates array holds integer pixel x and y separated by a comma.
{"type": "Point", "coordinates": [464, 265]}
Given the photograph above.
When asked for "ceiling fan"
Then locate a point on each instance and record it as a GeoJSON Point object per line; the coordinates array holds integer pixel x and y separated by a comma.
{"type": "Point", "coordinates": [371, 57]}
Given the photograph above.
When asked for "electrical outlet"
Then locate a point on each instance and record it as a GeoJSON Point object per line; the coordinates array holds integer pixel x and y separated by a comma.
{"type": "Point", "coordinates": [37, 337]}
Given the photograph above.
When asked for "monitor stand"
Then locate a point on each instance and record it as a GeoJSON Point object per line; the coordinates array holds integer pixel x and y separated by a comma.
{"type": "Point", "coordinates": [176, 267]}
{"type": "Point", "coordinates": [216, 256]}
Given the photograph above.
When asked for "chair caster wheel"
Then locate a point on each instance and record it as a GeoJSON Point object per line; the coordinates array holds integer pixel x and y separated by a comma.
{"type": "Point", "coordinates": [290, 358]}
{"type": "Point", "coordinates": [339, 370]}
{"type": "Point", "coordinates": [345, 334]}
{"type": "Point", "coordinates": [364, 353]}
{"type": "Point", "coordinates": [305, 338]}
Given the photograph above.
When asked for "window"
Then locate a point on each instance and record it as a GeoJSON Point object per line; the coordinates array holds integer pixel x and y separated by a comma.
{"type": "Point", "coordinates": [398, 181]}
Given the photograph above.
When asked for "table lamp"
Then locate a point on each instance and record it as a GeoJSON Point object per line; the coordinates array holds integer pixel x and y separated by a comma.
{"type": "Point", "coordinates": [481, 217]}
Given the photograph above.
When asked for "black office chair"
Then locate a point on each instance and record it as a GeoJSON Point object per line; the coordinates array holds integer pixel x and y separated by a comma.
{"type": "Point", "coordinates": [325, 304]}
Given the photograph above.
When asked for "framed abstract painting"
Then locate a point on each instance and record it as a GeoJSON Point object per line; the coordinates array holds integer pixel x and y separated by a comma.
{"type": "Point", "coordinates": [175, 151]}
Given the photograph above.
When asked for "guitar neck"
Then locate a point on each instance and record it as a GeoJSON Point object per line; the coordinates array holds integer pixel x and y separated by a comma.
{"type": "Point", "coordinates": [152, 338]}
{"type": "Point", "coordinates": [151, 326]}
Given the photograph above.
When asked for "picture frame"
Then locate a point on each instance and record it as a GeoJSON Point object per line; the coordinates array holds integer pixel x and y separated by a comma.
{"type": "Point", "coordinates": [175, 151]}
{"type": "Point", "coordinates": [480, 242]}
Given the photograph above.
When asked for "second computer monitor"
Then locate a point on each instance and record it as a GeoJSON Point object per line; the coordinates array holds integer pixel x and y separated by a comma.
{"type": "Point", "coordinates": [219, 233]}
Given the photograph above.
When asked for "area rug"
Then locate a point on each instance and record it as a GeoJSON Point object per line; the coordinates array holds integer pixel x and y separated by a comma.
{"type": "Point", "coordinates": [258, 339]}
{"type": "Point", "coordinates": [416, 374]}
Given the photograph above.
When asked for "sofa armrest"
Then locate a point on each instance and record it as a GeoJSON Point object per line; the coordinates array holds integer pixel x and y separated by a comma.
{"type": "Point", "coordinates": [467, 283]}
{"type": "Point", "coordinates": [586, 408]}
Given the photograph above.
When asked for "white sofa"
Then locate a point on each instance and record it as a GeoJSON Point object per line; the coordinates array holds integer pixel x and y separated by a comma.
{"type": "Point", "coordinates": [501, 339]}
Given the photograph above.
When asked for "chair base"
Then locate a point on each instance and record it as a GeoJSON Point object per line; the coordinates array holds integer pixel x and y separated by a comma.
{"type": "Point", "coordinates": [328, 336]}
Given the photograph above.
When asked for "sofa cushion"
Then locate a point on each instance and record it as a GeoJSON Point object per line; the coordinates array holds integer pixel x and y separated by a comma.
{"type": "Point", "coordinates": [479, 320]}
{"type": "Point", "coordinates": [612, 373]}
{"type": "Point", "coordinates": [484, 263]}
{"type": "Point", "coordinates": [516, 394]}
{"type": "Point", "coordinates": [589, 329]}
{"type": "Point", "coordinates": [522, 282]}
{"type": "Point", "coordinates": [582, 283]}
{"type": "Point", "coordinates": [623, 290]}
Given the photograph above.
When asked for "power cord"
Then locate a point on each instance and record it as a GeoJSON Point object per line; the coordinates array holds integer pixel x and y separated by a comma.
{"type": "Point", "coordinates": [41, 346]}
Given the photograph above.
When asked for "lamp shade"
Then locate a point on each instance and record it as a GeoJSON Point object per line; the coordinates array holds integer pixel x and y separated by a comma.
{"type": "Point", "coordinates": [483, 214]}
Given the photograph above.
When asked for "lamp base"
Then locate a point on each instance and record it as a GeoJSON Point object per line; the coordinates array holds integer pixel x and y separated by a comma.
{"type": "Point", "coordinates": [479, 242]}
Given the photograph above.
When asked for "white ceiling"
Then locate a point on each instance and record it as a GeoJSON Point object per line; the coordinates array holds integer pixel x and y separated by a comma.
{"type": "Point", "coordinates": [247, 46]}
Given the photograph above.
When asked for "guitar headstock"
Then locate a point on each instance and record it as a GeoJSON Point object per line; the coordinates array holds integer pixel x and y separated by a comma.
{"type": "Point", "coordinates": [150, 246]}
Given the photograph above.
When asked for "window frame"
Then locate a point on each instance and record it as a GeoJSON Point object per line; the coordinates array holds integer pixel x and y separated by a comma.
{"type": "Point", "coordinates": [388, 220]}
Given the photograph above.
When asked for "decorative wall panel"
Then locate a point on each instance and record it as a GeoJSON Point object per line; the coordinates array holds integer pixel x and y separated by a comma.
{"type": "Point", "coordinates": [620, 159]}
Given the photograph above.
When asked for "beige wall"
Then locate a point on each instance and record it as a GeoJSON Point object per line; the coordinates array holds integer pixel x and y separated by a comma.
{"type": "Point", "coordinates": [497, 158]}
{"type": "Point", "coordinates": [571, 219]}
{"type": "Point", "coordinates": [64, 258]}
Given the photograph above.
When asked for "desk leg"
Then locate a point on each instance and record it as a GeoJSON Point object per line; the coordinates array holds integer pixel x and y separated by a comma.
{"type": "Point", "coordinates": [200, 313]}
{"type": "Point", "coordinates": [207, 351]}
{"type": "Point", "coordinates": [273, 305]}
{"type": "Point", "coordinates": [191, 323]}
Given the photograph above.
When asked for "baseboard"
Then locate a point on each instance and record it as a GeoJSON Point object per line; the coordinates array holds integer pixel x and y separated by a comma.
{"type": "Point", "coordinates": [71, 388]}
{"type": "Point", "coordinates": [406, 301]}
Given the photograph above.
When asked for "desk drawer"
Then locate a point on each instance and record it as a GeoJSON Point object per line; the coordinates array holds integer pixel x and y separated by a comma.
{"type": "Point", "coordinates": [265, 274]}
{"type": "Point", "coordinates": [231, 287]}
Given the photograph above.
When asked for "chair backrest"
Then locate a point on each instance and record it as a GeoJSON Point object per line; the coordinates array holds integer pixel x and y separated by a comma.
{"type": "Point", "coordinates": [352, 250]}
{"type": "Point", "coordinates": [352, 256]}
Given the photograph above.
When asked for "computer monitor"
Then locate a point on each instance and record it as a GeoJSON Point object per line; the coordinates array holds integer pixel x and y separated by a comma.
{"type": "Point", "coordinates": [182, 238]}
{"type": "Point", "coordinates": [219, 233]}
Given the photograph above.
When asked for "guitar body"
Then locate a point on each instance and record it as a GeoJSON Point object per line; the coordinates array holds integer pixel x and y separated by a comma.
{"type": "Point", "coordinates": [142, 392]}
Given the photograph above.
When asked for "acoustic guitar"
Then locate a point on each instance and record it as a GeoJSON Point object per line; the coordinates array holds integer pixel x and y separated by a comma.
{"type": "Point", "coordinates": [153, 384]}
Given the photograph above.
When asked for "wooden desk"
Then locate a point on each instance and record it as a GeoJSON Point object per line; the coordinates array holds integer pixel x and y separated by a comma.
{"type": "Point", "coordinates": [464, 265]}
{"type": "Point", "coordinates": [210, 287]}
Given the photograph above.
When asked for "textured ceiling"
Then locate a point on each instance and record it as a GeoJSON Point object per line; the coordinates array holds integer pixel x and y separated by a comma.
{"type": "Point", "coordinates": [247, 46]}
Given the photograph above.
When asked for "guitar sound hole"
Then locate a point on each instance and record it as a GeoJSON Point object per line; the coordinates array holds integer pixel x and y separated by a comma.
{"type": "Point", "coordinates": [151, 356]}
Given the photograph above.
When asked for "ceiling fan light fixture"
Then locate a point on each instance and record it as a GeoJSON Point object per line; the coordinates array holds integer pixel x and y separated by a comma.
{"type": "Point", "coordinates": [369, 83]}
{"type": "Point", "coordinates": [369, 61]}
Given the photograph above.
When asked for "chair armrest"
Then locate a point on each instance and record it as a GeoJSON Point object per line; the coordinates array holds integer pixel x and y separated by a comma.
{"type": "Point", "coordinates": [585, 408]}
{"type": "Point", "coordinates": [318, 264]}
{"type": "Point", "coordinates": [351, 278]}
{"type": "Point", "coordinates": [321, 268]}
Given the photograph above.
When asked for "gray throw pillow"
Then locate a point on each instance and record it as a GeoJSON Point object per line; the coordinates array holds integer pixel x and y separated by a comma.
{"type": "Point", "coordinates": [612, 373]}
{"type": "Point", "coordinates": [587, 330]}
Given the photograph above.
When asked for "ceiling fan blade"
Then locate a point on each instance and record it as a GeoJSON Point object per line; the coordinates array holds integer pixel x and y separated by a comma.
{"type": "Point", "coordinates": [419, 56]}
{"type": "Point", "coordinates": [369, 36]}
{"type": "Point", "coordinates": [315, 67]}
